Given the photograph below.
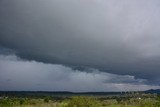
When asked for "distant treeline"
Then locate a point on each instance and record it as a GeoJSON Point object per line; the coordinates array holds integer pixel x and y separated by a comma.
{"type": "Point", "coordinates": [42, 94]}
{"type": "Point", "coordinates": [47, 93]}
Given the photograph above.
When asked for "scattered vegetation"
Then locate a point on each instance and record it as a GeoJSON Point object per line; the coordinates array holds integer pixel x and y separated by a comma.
{"type": "Point", "coordinates": [127, 100]}
{"type": "Point", "coordinates": [81, 101]}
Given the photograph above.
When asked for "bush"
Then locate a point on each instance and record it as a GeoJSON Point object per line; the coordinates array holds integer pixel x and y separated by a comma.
{"type": "Point", "coordinates": [21, 101]}
{"type": "Point", "coordinates": [46, 100]}
{"type": "Point", "coordinates": [81, 101]}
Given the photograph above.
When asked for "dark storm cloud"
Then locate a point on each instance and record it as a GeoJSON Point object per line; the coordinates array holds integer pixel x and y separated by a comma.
{"type": "Point", "coordinates": [120, 37]}
{"type": "Point", "coordinates": [6, 51]}
{"type": "Point", "coordinates": [14, 74]}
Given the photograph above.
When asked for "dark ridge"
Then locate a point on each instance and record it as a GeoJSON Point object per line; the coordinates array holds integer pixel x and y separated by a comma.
{"type": "Point", "coordinates": [38, 94]}
{"type": "Point", "coordinates": [157, 91]}
{"type": "Point", "coordinates": [55, 93]}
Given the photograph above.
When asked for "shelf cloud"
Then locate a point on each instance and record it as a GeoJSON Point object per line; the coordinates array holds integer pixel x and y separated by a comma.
{"type": "Point", "coordinates": [54, 77]}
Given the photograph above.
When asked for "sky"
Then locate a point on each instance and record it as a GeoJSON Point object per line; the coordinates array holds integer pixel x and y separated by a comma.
{"type": "Point", "coordinates": [79, 45]}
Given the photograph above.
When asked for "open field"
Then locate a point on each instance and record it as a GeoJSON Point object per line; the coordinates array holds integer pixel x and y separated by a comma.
{"type": "Point", "coordinates": [49, 100]}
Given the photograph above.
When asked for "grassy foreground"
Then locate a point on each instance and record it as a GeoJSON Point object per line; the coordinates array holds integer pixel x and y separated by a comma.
{"type": "Point", "coordinates": [81, 101]}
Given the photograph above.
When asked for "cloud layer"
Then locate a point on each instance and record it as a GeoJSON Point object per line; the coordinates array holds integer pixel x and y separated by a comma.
{"type": "Point", "coordinates": [17, 74]}
{"type": "Point", "coordinates": [120, 37]}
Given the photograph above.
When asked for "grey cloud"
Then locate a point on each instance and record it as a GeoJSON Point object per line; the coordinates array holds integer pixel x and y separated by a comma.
{"type": "Point", "coordinates": [120, 37]}
{"type": "Point", "coordinates": [17, 74]}
{"type": "Point", "coordinates": [6, 51]}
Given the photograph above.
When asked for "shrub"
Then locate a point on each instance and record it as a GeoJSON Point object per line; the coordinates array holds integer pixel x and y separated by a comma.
{"type": "Point", "coordinates": [81, 101]}
{"type": "Point", "coordinates": [21, 101]}
{"type": "Point", "coordinates": [46, 100]}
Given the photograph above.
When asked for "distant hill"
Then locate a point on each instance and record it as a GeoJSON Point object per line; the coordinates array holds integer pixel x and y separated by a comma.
{"type": "Point", "coordinates": [56, 93]}
{"type": "Point", "coordinates": [153, 91]}
{"type": "Point", "coordinates": [67, 94]}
